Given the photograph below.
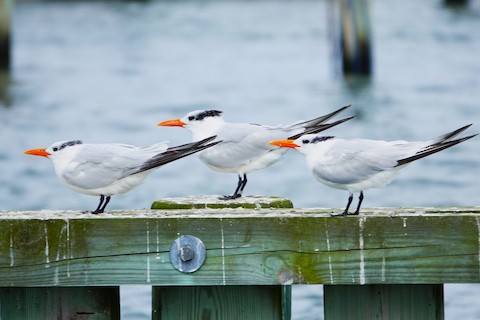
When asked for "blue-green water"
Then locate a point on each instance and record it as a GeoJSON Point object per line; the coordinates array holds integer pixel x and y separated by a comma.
{"type": "Point", "coordinates": [108, 71]}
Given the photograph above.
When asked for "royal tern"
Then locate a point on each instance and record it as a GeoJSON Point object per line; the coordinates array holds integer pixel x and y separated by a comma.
{"type": "Point", "coordinates": [108, 169]}
{"type": "Point", "coordinates": [357, 164]}
{"type": "Point", "coordinates": [244, 147]}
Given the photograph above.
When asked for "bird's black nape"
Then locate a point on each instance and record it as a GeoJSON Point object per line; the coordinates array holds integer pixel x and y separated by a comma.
{"type": "Point", "coordinates": [242, 182]}
{"type": "Point", "coordinates": [102, 205]}
{"type": "Point", "coordinates": [350, 199]}
{"type": "Point", "coordinates": [205, 114]}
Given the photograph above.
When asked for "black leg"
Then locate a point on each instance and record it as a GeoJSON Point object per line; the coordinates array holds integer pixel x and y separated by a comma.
{"type": "Point", "coordinates": [99, 205]}
{"type": "Point", "coordinates": [345, 212]}
{"type": "Point", "coordinates": [107, 200]}
{"type": "Point", "coordinates": [360, 199]}
{"type": "Point", "coordinates": [244, 183]}
{"type": "Point", "coordinates": [238, 191]}
{"type": "Point", "coordinates": [102, 205]}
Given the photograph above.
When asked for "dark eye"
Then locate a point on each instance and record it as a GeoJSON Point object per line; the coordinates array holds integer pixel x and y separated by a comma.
{"type": "Point", "coordinates": [55, 149]}
{"type": "Point", "coordinates": [305, 141]}
{"type": "Point", "coordinates": [191, 118]}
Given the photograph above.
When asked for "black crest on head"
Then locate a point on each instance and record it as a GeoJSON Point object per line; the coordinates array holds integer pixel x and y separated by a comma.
{"type": "Point", "coordinates": [205, 114]}
{"type": "Point", "coordinates": [67, 144]}
{"type": "Point", "coordinates": [318, 139]}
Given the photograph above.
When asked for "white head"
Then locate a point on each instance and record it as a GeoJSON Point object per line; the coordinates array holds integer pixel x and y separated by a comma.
{"type": "Point", "coordinates": [304, 144]}
{"type": "Point", "coordinates": [202, 123]}
{"type": "Point", "coordinates": [56, 149]}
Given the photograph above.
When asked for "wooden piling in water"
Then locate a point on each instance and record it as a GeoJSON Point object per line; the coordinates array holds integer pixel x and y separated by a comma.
{"type": "Point", "coordinates": [251, 255]}
{"type": "Point", "coordinates": [5, 33]}
{"type": "Point", "coordinates": [352, 36]}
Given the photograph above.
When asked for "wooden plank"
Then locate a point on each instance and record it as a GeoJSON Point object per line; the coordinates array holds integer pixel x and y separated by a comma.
{"type": "Point", "coordinates": [244, 247]}
{"type": "Point", "coordinates": [222, 302]}
{"type": "Point", "coordinates": [5, 31]}
{"type": "Point", "coordinates": [92, 303]}
{"type": "Point", "coordinates": [219, 302]}
{"type": "Point", "coordinates": [393, 302]}
{"type": "Point", "coordinates": [212, 202]}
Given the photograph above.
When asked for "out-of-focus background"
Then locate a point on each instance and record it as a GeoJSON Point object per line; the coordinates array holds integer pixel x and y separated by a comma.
{"type": "Point", "coordinates": [108, 71]}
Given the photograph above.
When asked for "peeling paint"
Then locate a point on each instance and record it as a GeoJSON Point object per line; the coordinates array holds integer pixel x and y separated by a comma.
{"type": "Point", "coordinates": [148, 252]}
{"type": "Point", "coordinates": [478, 229]}
{"type": "Point", "coordinates": [362, 253]}
{"type": "Point", "coordinates": [330, 267]}
{"type": "Point", "coordinates": [12, 256]}
{"type": "Point", "coordinates": [47, 259]}
{"type": "Point", "coordinates": [383, 269]}
{"type": "Point", "coordinates": [224, 282]}
{"type": "Point", "coordinates": [158, 242]}
{"type": "Point", "coordinates": [69, 249]}
{"type": "Point", "coordinates": [55, 276]}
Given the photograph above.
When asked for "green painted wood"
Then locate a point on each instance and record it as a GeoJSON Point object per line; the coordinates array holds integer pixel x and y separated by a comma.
{"type": "Point", "coordinates": [219, 302]}
{"type": "Point", "coordinates": [212, 202]}
{"type": "Point", "coordinates": [392, 302]}
{"type": "Point", "coordinates": [286, 302]}
{"type": "Point", "coordinates": [5, 32]}
{"type": "Point", "coordinates": [92, 303]}
{"type": "Point", "coordinates": [244, 247]}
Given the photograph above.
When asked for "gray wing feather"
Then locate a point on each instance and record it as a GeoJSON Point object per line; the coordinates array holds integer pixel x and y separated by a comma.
{"type": "Point", "coordinates": [175, 153]}
{"type": "Point", "coordinates": [354, 160]}
{"type": "Point", "coordinates": [98, 165]}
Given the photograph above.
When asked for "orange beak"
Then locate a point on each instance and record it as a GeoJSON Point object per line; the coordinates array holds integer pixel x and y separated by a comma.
{"type": "Point", "coordinates": [172, 123]}
{"type": "Point", "coordinates": [284, 143]}
{"type": "Point", "coordinates": [38, 152]}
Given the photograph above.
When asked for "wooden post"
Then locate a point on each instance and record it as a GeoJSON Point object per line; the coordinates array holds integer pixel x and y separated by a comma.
{"type": "Point", "coordinates": [218, 302]}
{"type": "Point", "coordinates": [351, 35]}
{"type": "Point", "coordinates": [221, 302]}
{"type": "Point", "coordinates": [93, 303]}
{"type": "Point", "coordinates": [456, 3]}
{"type": "Point", "coordinates": [5, 12]}
{"type": "Point", "coordinates": [392, 302]}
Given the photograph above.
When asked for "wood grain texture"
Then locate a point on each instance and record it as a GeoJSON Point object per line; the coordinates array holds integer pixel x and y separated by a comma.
{"type": "Point", "coordinates": [92, 303]}
{"type": "Point", "coordinates": [244, 247]}
{"type": "Point", "coordinates": [218, 302]}
{"type": "Point", "coordinates": [393, 302]}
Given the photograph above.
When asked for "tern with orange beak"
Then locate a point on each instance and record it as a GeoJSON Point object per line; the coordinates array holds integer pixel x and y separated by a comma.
{"type": "Point", "coordinates": [244, 146]}
{"type": "Point", "coordinates": [108, 169]}
{"type": "Point", "coordinates": [357, 164]}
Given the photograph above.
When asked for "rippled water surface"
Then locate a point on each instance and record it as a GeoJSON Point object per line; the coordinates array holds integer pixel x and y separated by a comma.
{"type": "Point", "coordinates": [108, 71]}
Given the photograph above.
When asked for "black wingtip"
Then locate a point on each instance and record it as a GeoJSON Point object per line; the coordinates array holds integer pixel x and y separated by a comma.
{"type": "Point", "coordinates": [177, 152]}
{"type": "Point", "coordinates": [454, 133]}
{"type": "Point", "coordinates": [434, 149]}
{"type": "Point", "coordinates": [192, 144]}
{"type": "Point", "coordinates": [332, 114]}
{"type": "Point", "coordinates": [320, 127]}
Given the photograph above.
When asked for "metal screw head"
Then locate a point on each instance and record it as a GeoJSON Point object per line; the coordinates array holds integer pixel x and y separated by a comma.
{"type": "Point", "coordinates": [187, 254]}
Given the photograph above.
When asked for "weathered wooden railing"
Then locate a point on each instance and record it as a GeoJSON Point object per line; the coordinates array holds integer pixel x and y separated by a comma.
{"type": "Point", "coordinates": [386, 263]}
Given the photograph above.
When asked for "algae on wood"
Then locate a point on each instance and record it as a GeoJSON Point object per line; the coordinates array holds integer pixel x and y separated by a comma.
{"type": "Point", "coordinates": [212, 202]}
{"type": "Point", "coordinates": [244, 247]}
